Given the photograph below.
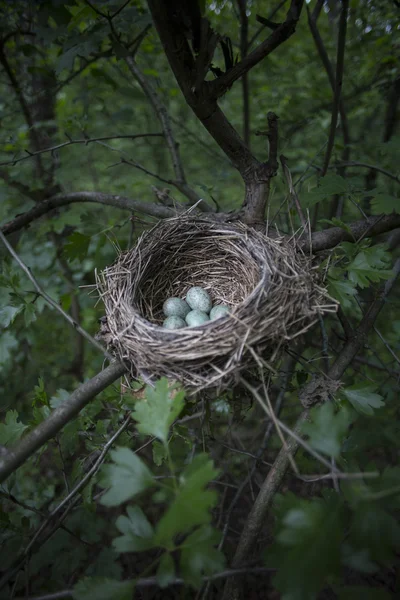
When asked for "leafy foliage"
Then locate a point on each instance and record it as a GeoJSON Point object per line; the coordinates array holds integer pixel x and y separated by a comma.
{"type": "Point", "coordinates": [162, 406]}
{"type": "Point", "coordinates": [125, 479]}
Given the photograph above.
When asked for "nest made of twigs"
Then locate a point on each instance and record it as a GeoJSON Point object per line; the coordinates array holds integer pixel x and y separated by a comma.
{"type": "Point", "coordinates": [269, 285]}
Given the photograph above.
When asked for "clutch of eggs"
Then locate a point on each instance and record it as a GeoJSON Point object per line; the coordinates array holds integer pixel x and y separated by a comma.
{"type": "Point", "coordinates": [195, 310]}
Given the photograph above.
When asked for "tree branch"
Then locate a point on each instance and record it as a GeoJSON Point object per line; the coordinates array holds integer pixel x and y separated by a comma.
{"type": "Point", "coordinates": [352, 163]}
{"type": "Point", "coordinates": [23, 104]}
{"type": "Point", "coordinates": [329, 238]}
{"type": "Point", "coordinates": [278, 36]}
{"type": "Point", "coordinates": [338, 83]}
{"type": "Point", "coordinates": [14, 458]}
{"type": "Point", "coordinates": [85, 142]}
{"type": "Point", "coordinates": [59, 200]}
{"type": "Point", "coordinates": [244, 44]}
{"type": "Point", "coordinates": [203, 103]}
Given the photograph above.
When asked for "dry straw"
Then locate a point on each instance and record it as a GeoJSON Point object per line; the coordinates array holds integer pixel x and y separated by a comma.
{"type": "Point", "coordinates": [269, 285]}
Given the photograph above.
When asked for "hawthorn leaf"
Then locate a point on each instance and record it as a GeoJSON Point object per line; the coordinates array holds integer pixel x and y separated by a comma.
{"type": "Point", "coordinates": [192, 503]}
{"type": "Point", "coordinates": [200, 556]}
{"type": "Point", "coordinates": [11, 430]}
{"type": "Point", "coordinates": [77, 246]}
{"type": "Point", "coordinates": [385, 203]}
{"type": "Point", "coordinates": [327, 428]}
{"type": "Point", "coordinates": [344, 291]}
{"type": "Point", "coordinates": [126, 478]}
{"type": "Point", "coordinates": [363, 398]}
{"type": "Point", "coordinates": [370, 266]}
{"type": "Point", "coordinates": [102, 588]}
{"type": "Point", "coordinates": [8, 315]}
{"type": "Point", "coordinates": [157, 412]}
{"type": "Point", "coordinates": [307, 550]}
{"type": "Point", "coordinates": [136, 529]}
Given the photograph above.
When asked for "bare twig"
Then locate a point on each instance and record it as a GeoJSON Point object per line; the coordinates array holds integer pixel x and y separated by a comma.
{"type": "Point", "coordinates": [85, 142]}
{"type": "Point", "coordinates": [278, 36]}
{"type": "Point", "coordinates": [292, 191]}
{"type": "Point", "coordinates": [352, 163]}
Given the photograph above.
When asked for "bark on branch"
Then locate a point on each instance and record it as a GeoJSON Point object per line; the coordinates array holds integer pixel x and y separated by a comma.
{"type": "Point", "coordinates": [14, 458]}
{"type": "Point", "coordinates": [278, 36]}
{"type": "Point", "coordinates": [59, 200]}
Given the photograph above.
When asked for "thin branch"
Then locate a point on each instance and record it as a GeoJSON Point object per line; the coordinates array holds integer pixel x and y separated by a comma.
{"type": "Point", "coordinates": [329, 238]}
{"type": "Point", "coordinates": [278, 36]}
{"type": "Point", "coordinates": [85, 142]}
{"type": "Point", "coordinates": [244, 45]}
{"type": "Point", "coordinates": [292, 191]}
{"type": "Point", "coordinates": [59, 200]}
{"type": "Point", "coordinates": [50, 300]}
{"type": "Point", "coordinates": [93, 470]}
{"type": "Point", "coordinates": [23, 104]}
{"type": "Point", "coordinates": [270, 16]}
{"type": "Point", "coordinates": [352, 163]}
{"type": "Point", "coordinates": [14, 458]}
{"type": "Point", "coordinates": [338, 83]}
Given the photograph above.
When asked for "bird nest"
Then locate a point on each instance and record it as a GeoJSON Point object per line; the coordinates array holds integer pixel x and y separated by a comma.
{"type": "Point", "coordinates": [268, 284]}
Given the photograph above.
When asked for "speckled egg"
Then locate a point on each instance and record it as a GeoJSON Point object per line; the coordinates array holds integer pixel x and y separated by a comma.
{"type": "Point", "coordinates": [199, 299]}
{"type": "Point", "coordinates": [196, 318]}
{"type": "Point", "coordinates": [218, 311]}
{"type": "Point", "coordinates": [176, 307]}
{"type": "Point", "coordinates": [174, 322]}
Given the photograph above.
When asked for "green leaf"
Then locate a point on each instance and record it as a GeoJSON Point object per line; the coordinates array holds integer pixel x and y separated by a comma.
{"type": "Point", "coordinates": [157, 412]}
{"type": "Point", "coordinates": [343, 291]}
{"type": "Point", "coordinates": [370, 266]}
{"type": "Point", "coordinates": [363, 398]}
{"type": "Point", "coordinates": [137, 531]}
{"type": "Point", "coordinates": [11, 430]}
{"type": "Point", "coordinates": [166, 571]}
{"type": "Point", "coordinates": [385, 203]}
{"type": "Point", "coordinates": [307, 550]}
{"type": "Point", "coordinates": [192, 504]}
{"type": "Point", "coordinates": [77, 246]}
{"type": "Point", "coordinates": [8, 315]}
{"type": "Point", "coordinates": [200, 557]}
{"type": "Point", "coordinates": [127, 478]}
{"type": "Point", "coordinates": [363, 593]}
{"type": "Point", "coordinates": [327, 428]}
{"type": "Point", "coordinates": [329, 185]}
{"type": "Point", "coordinates": [101, 588]}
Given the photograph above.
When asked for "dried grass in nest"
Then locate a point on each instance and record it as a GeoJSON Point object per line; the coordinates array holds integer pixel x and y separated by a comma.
{"type": "Point", "coordinates": [268, 284]}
